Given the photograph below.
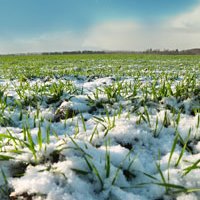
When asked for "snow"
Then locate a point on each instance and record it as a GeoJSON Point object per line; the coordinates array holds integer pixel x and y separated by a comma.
{"type": "Point", "coordinates": [187, 197]}
{"type": "Point", "coordinates": [85, 145]}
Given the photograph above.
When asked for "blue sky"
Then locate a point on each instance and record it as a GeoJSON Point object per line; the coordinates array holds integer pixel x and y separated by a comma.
{"type": "Point", "coordinates": [56, 25]}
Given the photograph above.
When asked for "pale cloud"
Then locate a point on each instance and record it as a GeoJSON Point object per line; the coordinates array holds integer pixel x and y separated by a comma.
{"type": "Point", "coordinates": [189, 21]}
{"type": "Point", "coordinates": [123, 35]}
{"type": "Point", "coordinates": [182, 32]}
{"type": "Point", "coordinates": [113, 35]}
{"type": "Point", "coordinates": [56, 41]}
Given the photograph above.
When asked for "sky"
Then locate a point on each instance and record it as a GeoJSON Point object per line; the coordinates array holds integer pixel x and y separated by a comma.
{"type": "Point", "coordinates": [69, 25]}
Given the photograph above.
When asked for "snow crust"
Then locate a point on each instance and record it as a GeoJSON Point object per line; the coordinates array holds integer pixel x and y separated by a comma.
{"type": "Point", "coordinates": [70, 177]}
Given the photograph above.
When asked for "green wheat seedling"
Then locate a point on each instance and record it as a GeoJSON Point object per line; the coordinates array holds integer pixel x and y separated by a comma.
{"type": "Point", "coordinates": [133, 90]}
{"type": "Point", "coordinates": [30, 143]}
{"type": "Point", "coordinates": [164, 181]}
{"type": "Point", "coordinates": [166, 120]}
{"type": "Point", "coordinates": [88, 159]}
{"type": "Point", "coordinates": [120, 167]}
{"type": "Point", "coordinates": [172, 150]}
{"type": "Point", "coordinates": [83, 122]}
{"type": "Point", "coordinates": [141, 118]}
{"type": "Point", "coordinates": [145, 93]}
{"type": "Point", "coordinates": [3, 90]}
{"type": "Point", "coordinates": [183, 149]}
{"type": "Point", "coordinates": [76, 129]}
{"type": "Point", "coordinates": [119, 112]}
{"type": "Point", "coordinates": [48, 131]}
{"type": "Point", "coordinates": [26, 142]}
{"type": "Point", "coordinates": [6, 157]}
{"type": "Point", "coordinates": [147, 116]}
{"type": "Point", "coordinates": [178, 118]}
{"type": "Point", "coordinates": [4, 189]}
{"type": "Point", "coordinates": [39, 137]}
{"type": "Point", "coordinates": [154, 91]}
{"type": "Point", "coordinates": [95, 131]}
{"type": "Point", "coordinates": [194, 166]}
{"type": "Point", "coordinates": [78, 148]}
{"type": "Point", "coordinates": [106, 122]}
{"type": "Point", "coordinates": [198, 122]}
{"type": "Point", "coordinates": [92, 168]}
{"type": "Point", "coordinates": [5, 121]}
{"type": "Point", "coordinates": [156, 131]}
{"type": "Point", "coordinates": [169, 187]}
{"type": "Point", "coordinates": [107, 159]}
{"type": "Point", "coordinates": [3, 103]}
{"type": "Point", "coordinates": [114, 91]}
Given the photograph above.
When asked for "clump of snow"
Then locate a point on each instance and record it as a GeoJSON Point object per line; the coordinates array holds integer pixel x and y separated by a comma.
{"type": "Point", "coordinates": [187, 197]}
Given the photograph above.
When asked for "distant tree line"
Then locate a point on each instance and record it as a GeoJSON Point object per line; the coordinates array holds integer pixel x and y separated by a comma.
{"type": "Point", "coordinates": [148, 51]}
{"type": "Point", "coordinates": [173, 52]}
{"type": "Point", "coordinates": [73, 52]}
{"type": "Point", "coordinates": [195, 51]}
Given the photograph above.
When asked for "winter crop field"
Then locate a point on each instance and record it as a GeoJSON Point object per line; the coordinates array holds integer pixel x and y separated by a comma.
{"type": "Point", "coordinates": [100, 127]}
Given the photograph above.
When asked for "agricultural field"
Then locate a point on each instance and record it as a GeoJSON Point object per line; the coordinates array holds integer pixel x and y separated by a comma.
{"type": "Point", "coordinates": [108, 127]}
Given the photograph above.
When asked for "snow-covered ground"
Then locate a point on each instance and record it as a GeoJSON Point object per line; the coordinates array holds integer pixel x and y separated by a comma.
{"type": "Point", "coordinates": [77, 138]}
